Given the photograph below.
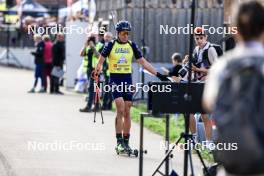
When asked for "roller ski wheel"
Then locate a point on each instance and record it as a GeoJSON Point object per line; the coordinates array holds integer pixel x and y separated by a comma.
{"type": "Point", "coordinates": [130, 152]}
{"type": "Point", "coordinates": [135, 153]}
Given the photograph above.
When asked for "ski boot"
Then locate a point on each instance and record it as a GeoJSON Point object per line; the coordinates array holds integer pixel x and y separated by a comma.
{"type": "Point", "coordinates": [120, 149]}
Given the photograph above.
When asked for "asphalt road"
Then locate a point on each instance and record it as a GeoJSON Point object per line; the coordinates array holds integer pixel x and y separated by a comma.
{"type": "Point", "coordinates": [45, 135]}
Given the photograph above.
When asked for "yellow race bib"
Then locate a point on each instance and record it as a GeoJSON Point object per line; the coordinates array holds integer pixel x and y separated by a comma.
{"type": "Point", "coordinates": [120, 58]}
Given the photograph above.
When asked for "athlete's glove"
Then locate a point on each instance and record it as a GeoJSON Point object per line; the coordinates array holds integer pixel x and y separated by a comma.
{"type": "Point", "coordinates": [162, 77]}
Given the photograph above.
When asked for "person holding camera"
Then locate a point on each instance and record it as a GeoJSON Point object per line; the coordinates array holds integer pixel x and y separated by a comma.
{"type": "Point", "coordinates": [173, 72]}
{"type": "Point", "coordinates": [90, 52]}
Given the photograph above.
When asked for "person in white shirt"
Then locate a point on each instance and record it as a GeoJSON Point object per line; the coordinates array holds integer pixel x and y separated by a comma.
{"type": "Point", "coordinates": [204, 56]}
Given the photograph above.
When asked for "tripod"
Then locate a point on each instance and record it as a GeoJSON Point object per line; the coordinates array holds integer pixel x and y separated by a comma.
{"type": "Point", "coordinates": [186, 99]}
{"type": "Point", "coordinates": [188, 138]}
{"type": "Point", "coordinates": [7, 54]}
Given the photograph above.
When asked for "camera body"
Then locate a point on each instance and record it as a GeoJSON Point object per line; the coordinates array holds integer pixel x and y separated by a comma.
{"type": "Point", "coordinates": [185, 68]}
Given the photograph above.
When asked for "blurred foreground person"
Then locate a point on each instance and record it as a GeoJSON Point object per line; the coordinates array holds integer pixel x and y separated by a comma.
{"type": "Point", "coordinates": [234, 92]}
{"type": "Point", "coordinates": [38, 54]}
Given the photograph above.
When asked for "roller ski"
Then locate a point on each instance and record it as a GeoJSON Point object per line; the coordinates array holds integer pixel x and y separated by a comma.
{"type": "Point", "coordinates": [124, 149]}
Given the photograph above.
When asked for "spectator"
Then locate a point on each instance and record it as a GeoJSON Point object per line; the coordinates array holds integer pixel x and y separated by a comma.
{"type": "Point", "coordinates": [176, 59]}
{"type": "Point", "coordinates": [204, 55]}
{"type": "Point", "coordinates": [173, 72]}
{"type": "Point", "coordinates": [90, 52]}
{"type": "Point", "coordinates": [38, 54]}
{"type": "Point", "coordinates": [58, 55]}
{"type": "Point", "coordinates": [47, 61]}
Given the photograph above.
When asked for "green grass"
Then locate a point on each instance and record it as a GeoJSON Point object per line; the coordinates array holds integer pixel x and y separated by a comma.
{"type": "Point", "coordinates": [157, 125]}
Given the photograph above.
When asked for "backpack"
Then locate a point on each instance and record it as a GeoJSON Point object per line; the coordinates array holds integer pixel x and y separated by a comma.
{"type": "Point", "coordinates": [218, 50]}
{"type": "Point", "coordinates": [239, 116]}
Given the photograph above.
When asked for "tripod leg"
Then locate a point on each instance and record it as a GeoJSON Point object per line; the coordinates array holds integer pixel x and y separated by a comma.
{"type": "Point", "coordinates": [167, 155]}
{"type": "Point", "coordinates": [185, 168]}
{"type": "Point", "coordinates": [141, 152]}
{"type": "Point", "coordinates": [201, 159]}
{"type": "Point", "coordinates": [191, 163]}
{"type": "Point", "coordinates": [167, 142]}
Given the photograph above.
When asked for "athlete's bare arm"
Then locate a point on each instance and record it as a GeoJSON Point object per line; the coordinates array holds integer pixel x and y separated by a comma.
{"type": "Point", "coordinates": [142, 61]}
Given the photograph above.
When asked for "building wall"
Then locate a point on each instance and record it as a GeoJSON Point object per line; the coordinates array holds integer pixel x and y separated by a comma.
{"type": "Point", "coordinates": [162, 12]}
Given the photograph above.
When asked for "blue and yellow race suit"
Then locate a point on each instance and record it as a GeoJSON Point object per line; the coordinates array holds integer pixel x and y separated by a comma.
{"type": "Point", "coordinates": [120, 56]}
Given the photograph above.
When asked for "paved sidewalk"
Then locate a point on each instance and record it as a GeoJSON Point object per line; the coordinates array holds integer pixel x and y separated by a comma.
{"type": "Point", "coordinates": [50, 120]}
